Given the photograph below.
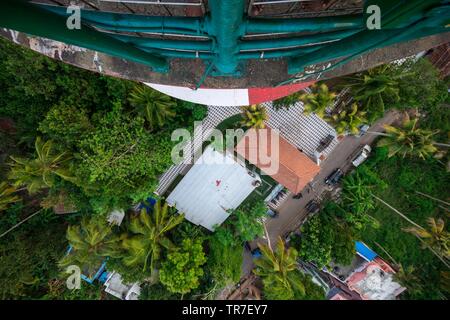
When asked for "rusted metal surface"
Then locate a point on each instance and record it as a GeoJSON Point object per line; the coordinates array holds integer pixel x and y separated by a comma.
{"type": "Point", "coordinates": [193, 8]}
{"type": "Point", "coordinates": [303, 8]}
{"type": "Point", "coordinates": [440, 58]}
{"type": "Point", "coordinates": [187, 73]}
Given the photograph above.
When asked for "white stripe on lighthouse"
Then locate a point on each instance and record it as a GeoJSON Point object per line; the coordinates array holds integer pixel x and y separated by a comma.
{"type": "Point", "coordinates": [217, 97]}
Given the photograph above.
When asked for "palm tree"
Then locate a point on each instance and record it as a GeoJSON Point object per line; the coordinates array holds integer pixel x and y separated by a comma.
{"type": "Point", "coordinates": [41, 172]}
{"type": "Point", "coordinates": [348, 120]}
{"type": "Point", "coordinates": [254, 116]}
{"type": "Point", "coordinates": [7, 195]}
{"type": "Point", "coordinates": [408, 140]}
{"type": "Point", "coordinates": [318, 100]}
{"type": "Point", "coordinates": [279, 272]}
{"type": "Point", "coordinates": [373, 87]}
{"type": "Point", "coordinates": [407, 277]}
{"type": "Point", "coordinates": [155, 107]}
{"type": "Point", "coordinates": [143, 247]}
{"type": "Point", "coordinates": [436, 238]}
{"type": "Point", "coordinates": [445, 281]}
{"type": "Point", "coordinates": [91, 241]}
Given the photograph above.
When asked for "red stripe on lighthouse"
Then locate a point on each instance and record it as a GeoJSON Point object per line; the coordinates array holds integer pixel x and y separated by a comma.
{"type": "Point", "coordinates": [260, 95]}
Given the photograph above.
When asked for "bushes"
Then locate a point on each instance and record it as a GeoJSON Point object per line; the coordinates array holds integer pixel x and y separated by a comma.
{"type": "Point", "coordinates": [326, 237]}
{"type": "Point", "coordinates": [182, 270]}
{"type": "Point", "coordinates": [430, 178]}
{"type": "Point", "coordinates": [287, 101]}
{"type": "Point", "coordinates": [120, 160]}
{"type": "Point", "coordinates": [421, 87]}
{"type": "Point", "coordinates": [244, 223]}
{"type": "Point", "coordinates": [116, 160]}
{"type": "Point", "coordinates": [157, 292]}
{"type": "Point", "coordinates": [66, 124]}
{"type": "Point", "coordinates": [29, 255]}
{"type": "Point", "coordinates": [224, 262]}
{"type": "Point", "coordinates": [58, 291]}
{"type": "Point", "coordinates": [316, 242]}
{"type": "Point", "coordinates": [31, 83]}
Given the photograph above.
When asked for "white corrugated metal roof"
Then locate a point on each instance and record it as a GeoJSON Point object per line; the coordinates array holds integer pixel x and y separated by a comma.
{"type": "Point", "coordinates": [215, 184]}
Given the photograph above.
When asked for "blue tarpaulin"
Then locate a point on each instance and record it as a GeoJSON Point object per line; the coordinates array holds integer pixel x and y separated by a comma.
{"type": "Point", "coordinates": [364, 251]}
{"type": "Point", "coordinates": [100, 270]}
{"type": "Point", "coordinates": [147, 204]}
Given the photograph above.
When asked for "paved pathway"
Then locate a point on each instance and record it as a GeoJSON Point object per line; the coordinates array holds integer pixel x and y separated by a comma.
{"type": "Point", "coordinates": [292, 212]}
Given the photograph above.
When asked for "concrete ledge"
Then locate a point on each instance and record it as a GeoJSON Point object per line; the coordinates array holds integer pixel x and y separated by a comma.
{"type": "Point", "coordinates": [259, 73]}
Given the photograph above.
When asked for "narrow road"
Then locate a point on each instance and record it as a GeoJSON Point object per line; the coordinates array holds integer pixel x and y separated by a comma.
{"type": "Point", "coordinates": [293, 212]}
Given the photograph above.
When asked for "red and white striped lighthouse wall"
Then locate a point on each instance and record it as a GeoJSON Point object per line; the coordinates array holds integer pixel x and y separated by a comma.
{"type": "Point", "coordinates": [229, 97]}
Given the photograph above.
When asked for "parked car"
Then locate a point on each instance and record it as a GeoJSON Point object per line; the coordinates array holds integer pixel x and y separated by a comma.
{"type": "Point", "coordinates": [324, 143]}
{"type": "Point", "coordinates": [362, 130]}
{"type": "Point", "coordinates": [334, 177]}
{"type": "Point", "coordinates": [272, 213]}
{"type": "Point", "coordinates": [312, 206]}
{"type": "Point", "coordinates": [362, 155]}
{"type": "Point", "coordinates": [298, 196]}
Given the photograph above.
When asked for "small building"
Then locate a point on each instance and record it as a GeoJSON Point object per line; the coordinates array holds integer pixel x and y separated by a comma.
{"type": "Point", "coordinates": [115, 286]}
{"type": "Point", "coordinates": [294, 169]}
{"type": "Point", "coordinates": [214, 185]}
{"type": "Point", "coordinates": [116, 217]}
{"type": "Point", "coordinates": [368, 276]}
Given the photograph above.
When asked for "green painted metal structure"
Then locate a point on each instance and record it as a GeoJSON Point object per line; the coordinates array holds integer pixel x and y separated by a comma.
{"type": "Point", "coordinates": [222, 36]}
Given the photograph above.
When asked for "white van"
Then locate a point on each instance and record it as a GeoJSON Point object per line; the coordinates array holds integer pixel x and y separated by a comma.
{"type": "Point", "coordinates": [362, 155]}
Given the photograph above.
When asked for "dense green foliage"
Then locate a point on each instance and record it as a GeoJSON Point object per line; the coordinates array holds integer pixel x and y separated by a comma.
{"type": "Point", "coordinates": [404, 177]}
{"type": "Point", "coordinates": [157, 292]}
{"type": "Point", "coordinates": [420, 85]}
{"type": "Point", "coordinates": [87, 291]}
{"type": "Point", "coordinates": [94, 155]}
{"type": "Point", "coordinates": [327, 237]}
{"type": "Point", "coordinates": [181, 271]}
{"type": "Point", "coordinates": [29, 255]}
{"type": "Point", "coordinates": [374, 87]}
{"type": "Point", "coordinates": [410, 84]}
{"type": "Point", "coordinates": [148, 237]}
{"type": "Point", "coordinates": [7, 196]}
{"type": "Point", "coordinates": [119, 157]}
{"type": "Point", "coordinates": [66, 125]}
{"type": "Point", "coordinates": [286, 101]}
{"type": "Point", "coordinates": [244, 223]}
{"type": "Point", "coordinates": [224, 262]}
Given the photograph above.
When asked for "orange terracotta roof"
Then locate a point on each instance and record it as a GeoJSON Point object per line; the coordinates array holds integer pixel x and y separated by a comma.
{"type": "Point", "coordinates": [295, 169]}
